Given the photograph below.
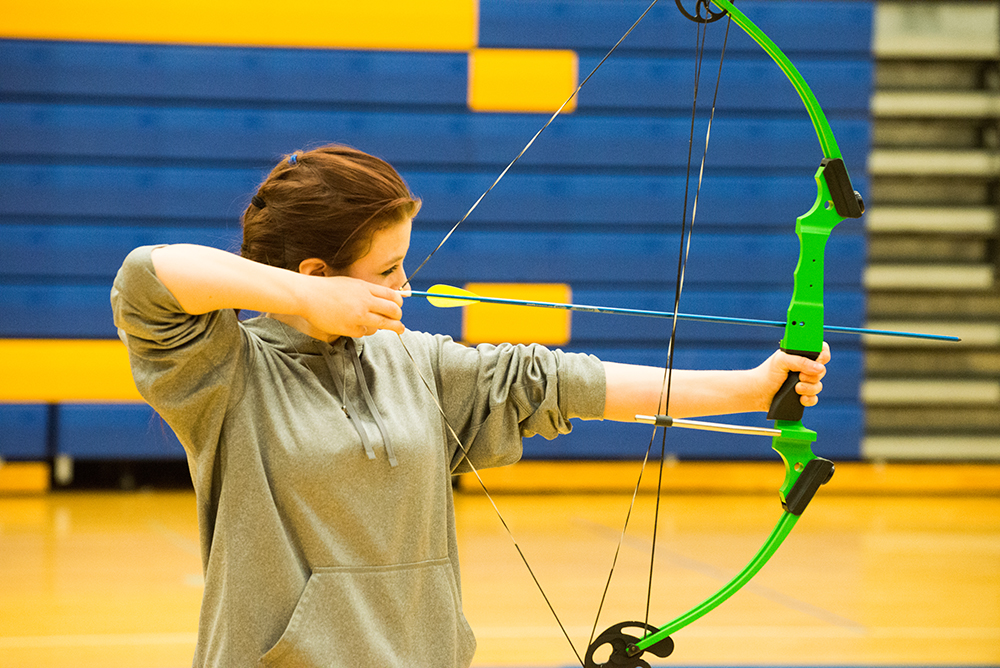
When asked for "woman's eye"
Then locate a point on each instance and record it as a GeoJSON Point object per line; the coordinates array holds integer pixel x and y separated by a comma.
{"type": "Point", "coordinates": [390, 272]}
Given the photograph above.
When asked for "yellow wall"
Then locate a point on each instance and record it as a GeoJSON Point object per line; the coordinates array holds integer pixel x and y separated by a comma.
{"type": "Point", "coordinates": [53, 371]}
{"type": "Point", "coordinates": [500, 80]}
{"type": "Point", "coordinates": [441, 25]}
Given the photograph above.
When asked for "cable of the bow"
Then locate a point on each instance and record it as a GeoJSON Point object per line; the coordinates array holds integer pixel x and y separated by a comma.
{"type": "Point", "coordinates": [465, 453]}
{"type": "Point", "coordinates": [682, 260]}
{"type": "Point", "coordinates": [683, 255]}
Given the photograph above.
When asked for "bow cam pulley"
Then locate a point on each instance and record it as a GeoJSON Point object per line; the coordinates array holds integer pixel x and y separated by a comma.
{"type": "Point", "coordinates": [624, 652]}
{"type": "Point", "coordinates": [703, 12]}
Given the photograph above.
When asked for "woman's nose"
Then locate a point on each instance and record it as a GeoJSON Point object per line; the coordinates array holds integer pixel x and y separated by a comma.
{"type": "Point", "coordinates": [402, 280]}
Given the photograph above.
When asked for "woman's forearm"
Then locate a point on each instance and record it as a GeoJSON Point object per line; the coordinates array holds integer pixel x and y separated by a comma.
{"type": "Point", "coordinates": [204, 279]}
{"type": "Point", "coordinates": [633, 389]}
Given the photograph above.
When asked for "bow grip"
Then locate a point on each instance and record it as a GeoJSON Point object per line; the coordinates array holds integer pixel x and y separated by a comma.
{"type": "Point", "coordinates": [786, 404]}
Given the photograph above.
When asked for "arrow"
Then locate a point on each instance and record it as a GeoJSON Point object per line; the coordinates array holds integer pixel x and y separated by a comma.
{"type": "Point", "coordinates": [447, 296]}
{"type": "Point", "coordinates": [667, 421]}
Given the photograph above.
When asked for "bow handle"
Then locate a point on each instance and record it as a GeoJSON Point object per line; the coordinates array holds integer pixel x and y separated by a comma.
{"type": "Point", "coordinates": [786, 404]}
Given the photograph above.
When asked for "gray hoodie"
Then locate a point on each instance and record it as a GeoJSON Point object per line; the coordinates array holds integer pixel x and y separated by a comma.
{"type": "Point", "coordinates": [323, 472]}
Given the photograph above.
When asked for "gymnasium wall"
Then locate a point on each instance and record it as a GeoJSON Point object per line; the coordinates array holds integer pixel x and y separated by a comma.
{"type": "Point", "coordinates": [124, 124]}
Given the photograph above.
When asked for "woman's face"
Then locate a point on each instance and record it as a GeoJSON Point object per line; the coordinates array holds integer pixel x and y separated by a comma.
{"type": "Point", "coordinates": [383, 265]}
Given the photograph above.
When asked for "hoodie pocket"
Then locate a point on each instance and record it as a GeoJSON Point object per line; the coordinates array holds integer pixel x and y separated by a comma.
{"type": "Point", "coordinates": [401, 615]}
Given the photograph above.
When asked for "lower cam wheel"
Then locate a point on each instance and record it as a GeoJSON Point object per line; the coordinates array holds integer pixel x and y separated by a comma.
{"type": "Point", "coordinates": [623, 653]}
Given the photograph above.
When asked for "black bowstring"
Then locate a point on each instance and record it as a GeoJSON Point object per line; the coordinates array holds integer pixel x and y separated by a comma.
{"type": "Point", "coordinates": [664, 400]}
{"type": "Point", "coordinates": [682, 260]}
{"type": "Point", "coordinates": [665, 393]}
{"type": "Point", "coordinates": [465, 453]}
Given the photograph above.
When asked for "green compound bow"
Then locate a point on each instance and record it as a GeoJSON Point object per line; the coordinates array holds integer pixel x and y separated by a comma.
{"type": "Point", "coordinates": [836, 200]}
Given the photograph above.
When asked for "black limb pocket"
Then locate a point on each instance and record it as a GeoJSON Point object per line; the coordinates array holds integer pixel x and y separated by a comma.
{"type": "Point", "coordinates": [817, 472]}
{"type": "Point", "coordinates": [846, 199]}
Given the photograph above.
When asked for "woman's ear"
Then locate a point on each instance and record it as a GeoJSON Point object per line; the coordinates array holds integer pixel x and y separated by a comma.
{"type": "Point", "coordinates": [314, 267]}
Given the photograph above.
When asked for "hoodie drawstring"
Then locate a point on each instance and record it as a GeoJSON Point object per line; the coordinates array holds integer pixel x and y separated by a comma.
{"type": "Point", "coordinates": [351, 351]}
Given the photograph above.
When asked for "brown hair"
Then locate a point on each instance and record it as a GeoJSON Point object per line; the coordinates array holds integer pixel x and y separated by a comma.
{"type": "Point", "coordinates": [324, 203]}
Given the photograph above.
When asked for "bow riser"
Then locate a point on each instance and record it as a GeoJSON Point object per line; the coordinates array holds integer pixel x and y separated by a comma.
{"type": "Point", "coordinates": [804, 326]}
{"type": "Point", "coordinates": [794, 445]}
{"type": "Point", "coordinates": [835, 201]}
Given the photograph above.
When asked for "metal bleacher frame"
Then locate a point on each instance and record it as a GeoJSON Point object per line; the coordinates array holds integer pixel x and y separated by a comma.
{"type": "Point", "coordinates": [934, 228]}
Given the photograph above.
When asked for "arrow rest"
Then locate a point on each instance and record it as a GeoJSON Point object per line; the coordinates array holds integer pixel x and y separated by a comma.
{"type": "Point", "coordinates": [711, 16]}
{"type": "Point", "coordinates": [624, 653]}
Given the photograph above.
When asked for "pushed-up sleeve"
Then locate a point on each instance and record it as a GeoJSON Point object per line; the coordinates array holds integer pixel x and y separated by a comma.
{"type": "Point", "coordinates": [496, 395]}
{"type": "Point", "coordinates": [185, 366]}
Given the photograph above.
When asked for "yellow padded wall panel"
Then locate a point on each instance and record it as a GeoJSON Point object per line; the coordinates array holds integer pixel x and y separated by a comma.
{"type": "Point", "coordinates": [499, 323]}
{"type": "Point", "coordinates": [50, 371]}
{"type": "Point", "coordinates": [522, 80]}
{"type": "Point", "coordinates": [441, 25]}
{"type": "Point", "coordinates": [24, 477]}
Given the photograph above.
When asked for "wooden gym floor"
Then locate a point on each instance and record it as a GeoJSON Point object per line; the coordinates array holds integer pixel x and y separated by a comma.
{"type": "Point", "coordinates": [898, 566]}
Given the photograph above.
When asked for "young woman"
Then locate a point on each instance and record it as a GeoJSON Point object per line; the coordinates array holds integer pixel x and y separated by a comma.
{"type": "Point", "coordinates": [321, 437]}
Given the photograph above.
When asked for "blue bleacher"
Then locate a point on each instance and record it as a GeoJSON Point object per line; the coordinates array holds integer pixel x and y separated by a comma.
{"type": "Point", "coordinates": [104, 147]}
{"type": "Point", "coordinates": [25, 431]}
{"type": "Point", "coordinates": [207, 136]}
{"type": "Point", "coordinates": [594, 25]}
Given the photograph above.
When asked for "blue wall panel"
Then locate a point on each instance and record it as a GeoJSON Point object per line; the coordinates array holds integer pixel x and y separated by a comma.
{"type": "Point", "coordinates": [845, 27]}
{"type": "Point", "coordinates": [104, 147]}
{"type": "Point", "coordinates": [60, 311]}
{"type": "Point", "coordinates": [241, 77]}
{"type": "Point", "coordinates": [209, 135]}
{"type": "Point", "coordinates": [617, 258]}
{"type": "Point", "coordinates": [89, 431]}
{"type": "Point", "coordinates": [24, 431]}
{"type": "Point", "coordinates": [190, 196]}
{"type": "Point", "coordinates": [751, 86]}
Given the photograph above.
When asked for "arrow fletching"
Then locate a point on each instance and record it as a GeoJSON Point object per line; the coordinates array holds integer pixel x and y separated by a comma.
{"type": "Point", "coordinates": [459, 297]}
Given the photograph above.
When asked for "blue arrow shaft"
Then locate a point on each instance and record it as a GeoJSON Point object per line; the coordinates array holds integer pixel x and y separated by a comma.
{"type": "Point", "coordinates": [680, 316]}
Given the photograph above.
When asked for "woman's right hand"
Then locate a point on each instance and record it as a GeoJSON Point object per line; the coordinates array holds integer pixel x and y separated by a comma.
{"type": "Point", "coordinates": [344, 306]}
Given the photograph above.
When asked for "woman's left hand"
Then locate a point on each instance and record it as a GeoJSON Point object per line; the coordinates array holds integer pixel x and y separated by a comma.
{"type": "Point", "coordinates": [777, 367]}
